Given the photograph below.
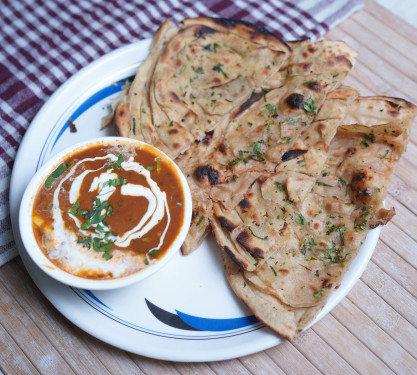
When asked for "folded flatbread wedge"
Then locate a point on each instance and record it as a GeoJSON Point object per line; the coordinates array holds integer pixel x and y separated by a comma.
{"type": "Point", "coordinates": [300, 252]}
{"type": "Point", "coordinates": [196, 74]}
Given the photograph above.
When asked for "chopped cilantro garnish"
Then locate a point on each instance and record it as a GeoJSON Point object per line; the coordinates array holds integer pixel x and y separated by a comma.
{"type": "Point", "coordinates": [95, 216]}
{"type": "Point", "coordinates": [56, 173]}
{"type": "Point", "coordinates": [117, 164]}
{"type": "Point", "coordinates": [254, 235]}
{"type": "Point", "coordinates": [319, 293]}
{"type": "Point", "coordinates": [257, 150]}
{"type": "Point", "coordinates": [323, 184]}
{"type": "Point", "coordinates": [368, 138]}
{"type": "Point", "coordinates": [86, 242]}
{"type": "Point", "coordinates": [115, 182]}
{"type": "Point", "coordinates": [300, 219]}
{"type": "Point", "coordinates": [384, 156]}
{"type": "Point", "coordinates": [74, 209]}
{"type": "Point", "coordinates": [153, 253]}
{"type": "Point", "coordinates": [309, 105]}
{"type": "Point", "coordinates": [103, 246]}
{"type": "Point", "coordinates": [280, 186]}
{"type": "Point", "coordinates": [233, 162]}
{"type": "Point", "coordinates": [218, 68]}
{"type": "Point", "coordinates": [200, 220]}
{"type": "Point", "coordinates": [341, 229]}
{"type": "Point", "coordinates": [304, 249]}
{"type": "Point", "coordinates": [272, 109]}
{"type": "Point", "coordinates": [198, 70]}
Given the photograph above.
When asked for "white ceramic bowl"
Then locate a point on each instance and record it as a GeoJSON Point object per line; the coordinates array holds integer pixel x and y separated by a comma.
{"type": "Point", "coordinates": [43, 262]}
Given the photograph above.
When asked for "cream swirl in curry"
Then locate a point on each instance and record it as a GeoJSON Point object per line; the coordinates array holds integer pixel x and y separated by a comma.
{"type": "Point", "coordinates": [108, 211]}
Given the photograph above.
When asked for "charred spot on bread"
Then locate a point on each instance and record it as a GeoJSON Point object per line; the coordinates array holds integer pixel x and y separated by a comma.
{"type": "Point", "coordinates": [194, 214]}
{"type": "Point", "coordinates": [244, 204]}
{"type": "Point", "coordinates": [292, 154]}
{"type": "Point", "coordinates": [207, 171]}
{"type": "Point", "coordinates": [254, 29]}
{"type": "Point", "coordinates": [359, 186]}
{"type": "Point", "coordinates": [244, 238]}
{"type": "Point", "coordinates": [251, 100]}
{"type": "Point", "coordinates": [314, 86]}
{"type": "Point", "coordinates": [243, 266]}
{"type": "Point", "coordinates": [295, 101]}
{"type": "Point", "coordinates": [203, 31]}
{"type": "Point", "coordinates": [226, 224]}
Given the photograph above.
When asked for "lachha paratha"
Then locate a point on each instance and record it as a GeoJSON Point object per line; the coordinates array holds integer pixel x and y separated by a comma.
{"type": "Point", "coordinates": [285, 164]}
{"type": "Point", "coordinates": [301, 252]}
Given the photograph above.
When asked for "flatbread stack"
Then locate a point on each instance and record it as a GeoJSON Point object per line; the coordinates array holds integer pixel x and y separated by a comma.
{"type": "Point", "coordinates": [287, 166]}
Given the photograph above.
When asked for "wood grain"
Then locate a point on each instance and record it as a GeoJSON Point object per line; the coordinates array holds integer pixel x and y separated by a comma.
{"type": "Point", "coordinates": [372, 331]}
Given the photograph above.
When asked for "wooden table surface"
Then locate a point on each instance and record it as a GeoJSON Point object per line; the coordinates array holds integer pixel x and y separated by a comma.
{"type": "Point", "coordinates": [372, 331]}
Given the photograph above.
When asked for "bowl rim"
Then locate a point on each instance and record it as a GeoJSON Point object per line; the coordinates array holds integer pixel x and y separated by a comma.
{"type": "Point", "coordinates": [46, 265]}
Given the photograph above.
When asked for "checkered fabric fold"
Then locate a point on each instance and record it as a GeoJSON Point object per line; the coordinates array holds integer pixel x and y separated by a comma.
{"type": "Point", "coordinates": [46, 42]}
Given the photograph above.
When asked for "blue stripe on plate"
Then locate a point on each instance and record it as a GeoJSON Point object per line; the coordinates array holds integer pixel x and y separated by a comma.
{"type": "Point", "coordinates": [93, 296]}
{"type": "Point", "coordinates": [216, 325]}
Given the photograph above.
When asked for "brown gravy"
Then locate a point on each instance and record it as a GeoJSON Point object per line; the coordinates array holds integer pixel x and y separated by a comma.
{"type": "Point", "coordinates": [110, 197]}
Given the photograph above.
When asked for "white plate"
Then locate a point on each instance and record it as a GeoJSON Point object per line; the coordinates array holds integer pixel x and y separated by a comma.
{"type": "Point", "coordinates": [186, 312]}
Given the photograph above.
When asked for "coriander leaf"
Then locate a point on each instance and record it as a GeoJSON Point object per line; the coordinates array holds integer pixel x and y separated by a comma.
{"type": "Point", "coordinates": [115, 182]}
{"type": "Point", "coordinates": [158, 165]}
{"type": "Point", "coordinates": [233, 162]}
{"type": "Point", "coordinates": [304, 249]}
{"type": "Point", "coordinates": [323, 184]}
{"type": "Point", "coordinates": [384, 156]}
{"type": "Point", "coordinates": [254, 235]}
{"type": "Point", "coordinates": [309, 105]}
{"type": "Point", "coordinates": [117, 164]}
{"type": "Point", "coordinates": [218, 68]}
{"type": "Point", "coordinates": [300, 219]}
{"type": "Point", "coordinates": [153, 253]}
{"type": "Point", "coordinates": [56, 173]}
{"type": "Point", "coordinates": [319, 293]}
{"type": "Point", "coordinates": [74, 208]}
{"type": "Point", "coordinates": [200, 220]}
{"type": "Point", "coordinates": [341, 229]}
{"type": "Point", "coordinates": [86, 242]}
{"type": "Point", "coordinates": [272, 109]}
{"type": "Point", "coordinates": [198, 70]}
{"type": "Point", "coordinates": [280, 186]}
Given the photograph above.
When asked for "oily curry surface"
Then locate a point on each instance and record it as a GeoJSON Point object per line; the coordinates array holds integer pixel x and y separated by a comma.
{"type": "Point", "coordinates": [108, 211]}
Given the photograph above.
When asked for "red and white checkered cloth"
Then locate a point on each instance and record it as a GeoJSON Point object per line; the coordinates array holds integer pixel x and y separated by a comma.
{"type": "Point", "coordinates": [44, 42]}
